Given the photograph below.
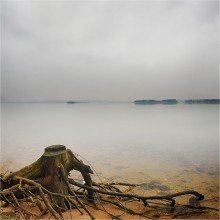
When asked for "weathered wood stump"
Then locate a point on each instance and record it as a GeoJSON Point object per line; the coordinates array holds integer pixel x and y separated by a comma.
{"type": "Point", "coordinates": [47, 171]}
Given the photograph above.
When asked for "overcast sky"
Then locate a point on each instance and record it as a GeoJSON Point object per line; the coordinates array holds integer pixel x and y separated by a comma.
{"type": "Point", "coordinates": [93, 50]}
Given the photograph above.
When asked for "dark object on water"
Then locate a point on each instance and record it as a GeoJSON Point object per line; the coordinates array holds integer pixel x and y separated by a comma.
{"type": "Point", "coordinates": [202, 101]}
{"type": "Point", "coordinates": [153, 102]}
{"type": "Point", "coordinates": [71, 102]}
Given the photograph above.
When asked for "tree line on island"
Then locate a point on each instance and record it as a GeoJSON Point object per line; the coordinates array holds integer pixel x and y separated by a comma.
{"type": "Point", "coordinates": [164, 101]}
{"type": "Point", "coordinates": [174, 101]}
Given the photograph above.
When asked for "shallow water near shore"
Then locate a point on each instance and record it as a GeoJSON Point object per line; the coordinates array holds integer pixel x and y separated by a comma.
{"type": "Point", "coordinates": [165, 148]}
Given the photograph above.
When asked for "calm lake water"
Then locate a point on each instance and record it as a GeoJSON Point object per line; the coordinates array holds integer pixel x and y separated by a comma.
{"type": "Point", "coordinates": [177, 145]}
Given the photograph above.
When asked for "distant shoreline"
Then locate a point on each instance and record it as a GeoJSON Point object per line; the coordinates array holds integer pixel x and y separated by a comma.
{"type": "Point", "coordinates": [175, 101]}
{"type": "Point", "coordinates": [138, 102]}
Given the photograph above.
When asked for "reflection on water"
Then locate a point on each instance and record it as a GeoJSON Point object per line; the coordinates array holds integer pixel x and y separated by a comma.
{"type": "Point", "coordinates": [175, 146]}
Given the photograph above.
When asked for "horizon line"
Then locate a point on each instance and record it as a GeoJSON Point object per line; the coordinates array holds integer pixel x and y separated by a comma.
{"type": "Point", "coordinates": [106, 101]}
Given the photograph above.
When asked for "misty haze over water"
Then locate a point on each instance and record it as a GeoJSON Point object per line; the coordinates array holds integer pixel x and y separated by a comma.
{"type": "Point", "coordinates": [162, 133]}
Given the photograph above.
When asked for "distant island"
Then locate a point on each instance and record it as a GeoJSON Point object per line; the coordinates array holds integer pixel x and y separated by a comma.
{"type": "Point", "coordinates": [71, 102]}
{"type": "Point", "coordinates": [153, 102]}
{"type": "Point", "coordinates": [76, 102]}
{"type": "Point", "coordinates": [174, 101]}
{"type": "Point", "coordinates": [202, 101]}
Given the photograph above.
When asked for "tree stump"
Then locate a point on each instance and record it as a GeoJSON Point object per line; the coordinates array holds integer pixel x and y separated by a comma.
{"type": "Point", "coordinates": [46, 171]}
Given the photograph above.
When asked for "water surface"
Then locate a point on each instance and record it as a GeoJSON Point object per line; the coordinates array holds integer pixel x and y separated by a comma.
{"type": "Point", "coordinates": [175, 145]}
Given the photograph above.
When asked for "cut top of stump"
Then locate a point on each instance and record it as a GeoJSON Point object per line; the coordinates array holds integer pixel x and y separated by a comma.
{"type": "Point", "coordinates": [54, 150]}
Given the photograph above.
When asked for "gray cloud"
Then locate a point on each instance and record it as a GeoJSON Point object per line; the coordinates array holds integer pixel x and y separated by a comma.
{"type": "Point", "coordinates": [62, 50]}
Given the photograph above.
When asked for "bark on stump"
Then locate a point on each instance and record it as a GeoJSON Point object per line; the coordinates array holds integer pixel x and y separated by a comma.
{"type": "Point", "coordinates": [46, 171]}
